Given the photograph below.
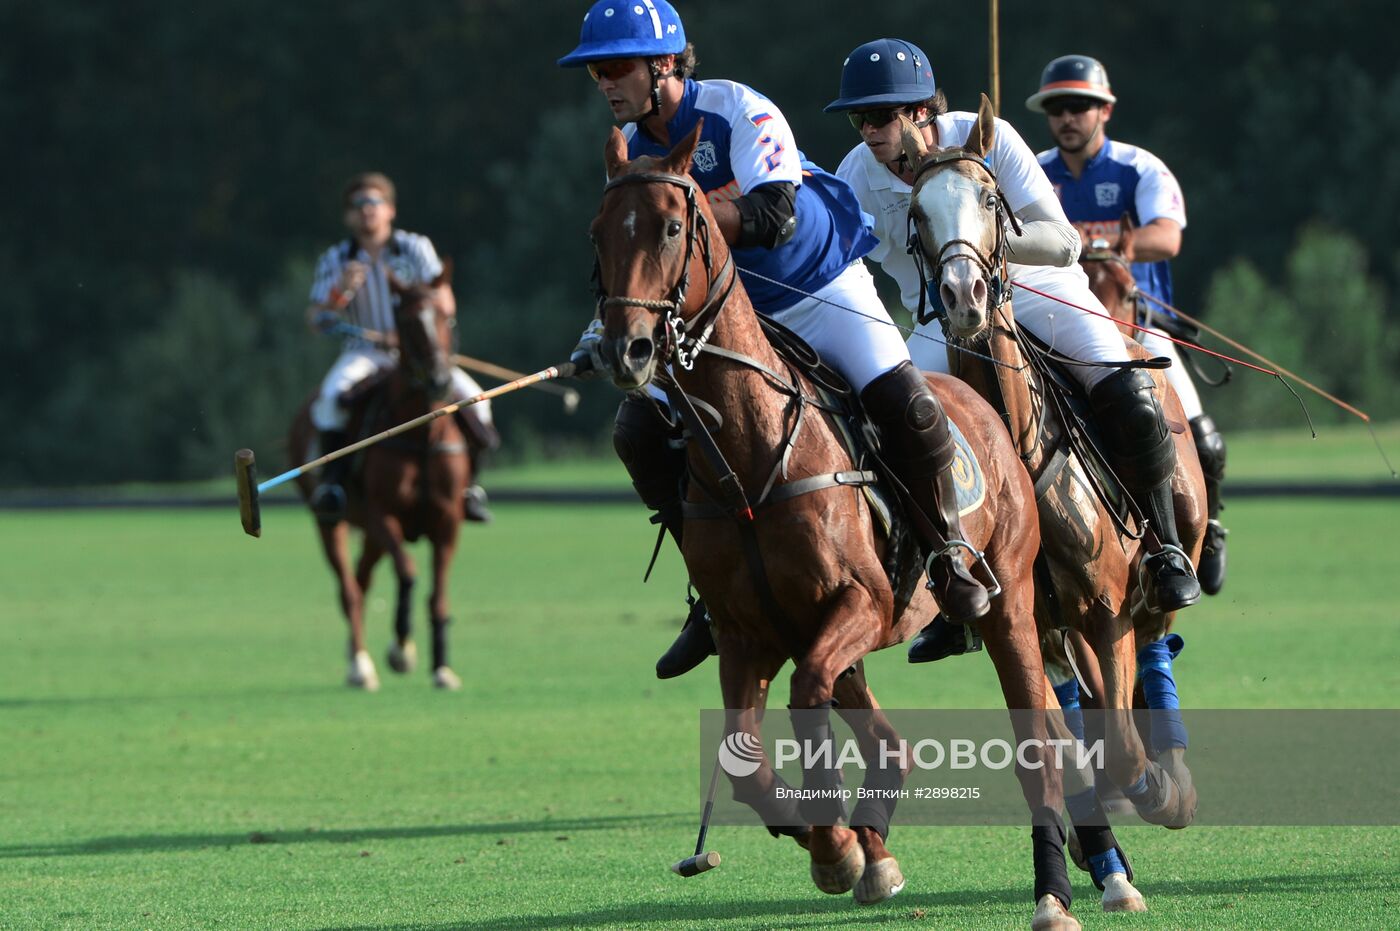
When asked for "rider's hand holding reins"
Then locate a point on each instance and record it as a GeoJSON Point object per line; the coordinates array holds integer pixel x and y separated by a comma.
{"type": "Point", "coordinates": [587, 355]}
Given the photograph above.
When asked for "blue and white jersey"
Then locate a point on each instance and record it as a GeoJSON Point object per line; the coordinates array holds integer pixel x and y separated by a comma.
{"type": "Point", "coordinates": [1120, 179]}
{"type": "Point", "coordinates": [410, 256]}
{"type": "Point", "coordinates": [746, 143]}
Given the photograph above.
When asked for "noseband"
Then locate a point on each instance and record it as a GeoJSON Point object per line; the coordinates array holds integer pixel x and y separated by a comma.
{"type": "Point", "coordinates": [683, 345]}
{"type": "Point", "coordinates": [993, 263]}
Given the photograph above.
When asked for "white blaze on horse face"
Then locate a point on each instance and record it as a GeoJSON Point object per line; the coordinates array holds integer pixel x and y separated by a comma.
{"type": "Point", "coordinates": [950, 208]}
{"type": "Point", "coordinates": [630, 224]}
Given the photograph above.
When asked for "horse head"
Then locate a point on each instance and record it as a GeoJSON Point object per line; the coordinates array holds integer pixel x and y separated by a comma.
{"type": "Point", "coordinates": [957, 212]}
{"type": "Point", "coordinates": [424, 327]}
{"type": "Point", "coordinates": [645, 235]}
{"type": "Point", "coordinates": [1110, 272]}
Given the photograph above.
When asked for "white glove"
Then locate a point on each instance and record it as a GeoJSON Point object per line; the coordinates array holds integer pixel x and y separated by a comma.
{"type": "Point", "coordinates": [586, 354]}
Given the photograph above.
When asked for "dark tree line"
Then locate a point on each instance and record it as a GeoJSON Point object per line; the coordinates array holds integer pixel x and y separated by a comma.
{"type": "Point", "coordinates": [174, 170]}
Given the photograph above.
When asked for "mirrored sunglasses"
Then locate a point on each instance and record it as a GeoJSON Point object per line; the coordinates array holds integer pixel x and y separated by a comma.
{"type": "Point", "coordinates": [366, 200]}
{"type": "Point", "coordinates": [613, 69]}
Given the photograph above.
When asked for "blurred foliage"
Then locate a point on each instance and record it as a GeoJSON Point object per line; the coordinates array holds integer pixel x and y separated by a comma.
{"type": "Point", "coordinates": [175, 170]}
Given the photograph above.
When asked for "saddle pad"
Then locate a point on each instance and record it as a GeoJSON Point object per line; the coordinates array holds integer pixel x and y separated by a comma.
{"type": "Point", "coordinates": [967, 473]}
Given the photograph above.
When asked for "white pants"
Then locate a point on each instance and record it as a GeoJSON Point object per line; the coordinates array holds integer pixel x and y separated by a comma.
{"type": "Point", "coordinates": [848, 326]}
{"type": "Point", "coordinates": [354, 366]}
{"type": "Point", "coordinates": [1155, 342]}
{"type": "Point", "coordinates": [1068, 331]}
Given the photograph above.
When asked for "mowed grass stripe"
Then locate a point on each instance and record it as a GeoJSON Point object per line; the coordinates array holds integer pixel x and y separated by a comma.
{"type": "Point", "coordinates": [180, 753]}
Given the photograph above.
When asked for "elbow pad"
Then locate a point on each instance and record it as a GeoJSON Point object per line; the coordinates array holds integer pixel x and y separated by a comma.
{"type": "Point", "coordinates": [767, 216]}
{"type": "Point", "coordinates": [1047, 238]}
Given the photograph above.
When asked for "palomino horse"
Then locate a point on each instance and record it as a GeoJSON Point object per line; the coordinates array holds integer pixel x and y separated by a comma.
{"type": "Point", "coordinates": [409, 487]}
{"type": "Point", "coordinates": [1092, 563]}
{"type": "Point", "coordinates": [784, 551]}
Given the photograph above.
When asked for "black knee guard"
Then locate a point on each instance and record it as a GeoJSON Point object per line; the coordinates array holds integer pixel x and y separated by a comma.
{"type": "Point", "coordinates": [650, 447]}
{"type": "Point", "coordinates": [1134, 429]}
{"type": "Point", "coordinates": [913, 426]}
{"type": "Point", "coordinates": [1210, 448]}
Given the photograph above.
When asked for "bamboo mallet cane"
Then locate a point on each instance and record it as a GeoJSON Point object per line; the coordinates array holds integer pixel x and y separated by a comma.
{"type": "Point", "coordinates": [245, 466]}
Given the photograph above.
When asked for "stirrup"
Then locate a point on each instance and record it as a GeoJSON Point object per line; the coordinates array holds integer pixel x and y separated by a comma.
{"type": "Point", "coordinates": [978, 558]}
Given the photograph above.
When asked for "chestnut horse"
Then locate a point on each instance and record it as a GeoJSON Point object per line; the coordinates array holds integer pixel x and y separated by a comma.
{"type": "Point", "coordinates": [1092, 563]}
{"type": "Point", "coordinates": [407, 487]}
{"type": "Point", "coordinates": [797, 574]}
{"type": "Point", "coordinates": [1110, 272]}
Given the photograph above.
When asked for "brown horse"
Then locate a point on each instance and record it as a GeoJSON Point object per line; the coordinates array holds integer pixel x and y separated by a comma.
{"type": "Point", "coordinates": [1110, 272]}
{"type": "Point", "coordinates": [1092, 564]}
{"type": "Point", "coordinates": [788, 573]}
{"type": "Point", "coordinates": [407, 487]}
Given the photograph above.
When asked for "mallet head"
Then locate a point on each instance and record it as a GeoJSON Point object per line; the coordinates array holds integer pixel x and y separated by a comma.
{"type": "Point", "coordinates": [245, 471]}
{"type": "Point", "coordinates": [694, 866]}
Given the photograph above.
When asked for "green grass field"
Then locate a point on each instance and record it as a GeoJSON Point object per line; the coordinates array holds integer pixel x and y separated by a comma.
{"type": "Point", "coordinates": [178, 751]}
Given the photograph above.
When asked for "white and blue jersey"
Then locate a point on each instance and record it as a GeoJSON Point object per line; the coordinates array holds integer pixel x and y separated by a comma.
{"type": "Point", "coordinates": [745, 143]}
{"type": "Point", "coordinates": [1120, 179]}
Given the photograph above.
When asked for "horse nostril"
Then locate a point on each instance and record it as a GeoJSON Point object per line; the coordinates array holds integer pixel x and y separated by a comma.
{"type": "Point", "coordinates": [979, 292]}
{"type": "Point", "coordinates": [639, 352]}
{"type": "Point", "coordinates": [949, 297]}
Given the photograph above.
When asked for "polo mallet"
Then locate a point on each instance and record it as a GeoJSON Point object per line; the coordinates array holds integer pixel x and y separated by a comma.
{"type": "Point", "coordinates": [480, 366]}
{"type": "Point", "coordinates": [703, 859]}
{"type": "Point", "coordinates": [244, 466]}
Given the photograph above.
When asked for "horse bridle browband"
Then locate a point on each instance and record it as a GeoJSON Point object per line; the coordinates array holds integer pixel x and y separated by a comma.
{"type": "Point", "coordinates": [683, 344]}
{"type": "Point", "coordinates": [993, 264]}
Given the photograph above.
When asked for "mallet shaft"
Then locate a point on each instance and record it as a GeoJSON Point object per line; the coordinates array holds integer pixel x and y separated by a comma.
{"type": "Point", "coordinates": [563, 370]}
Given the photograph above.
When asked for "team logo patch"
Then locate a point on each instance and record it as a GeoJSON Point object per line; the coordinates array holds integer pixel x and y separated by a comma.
{"type": "Point", "coordinates": [967, 473]}
{"type": "Point", "coordinates": [705, 158]}
{"type": "Point", "coordinates": [401, 268]}
{"type": "Point", "coordinates": [1106, 194]}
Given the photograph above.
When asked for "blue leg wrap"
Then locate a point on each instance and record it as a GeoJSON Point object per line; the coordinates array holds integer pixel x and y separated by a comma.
{"type": "Point", "coordinates": [1159, 687]}
{"type": "Point", "coordinates": [1067, 694]}
{"type": "Point", "coordinates": [1100, 865]}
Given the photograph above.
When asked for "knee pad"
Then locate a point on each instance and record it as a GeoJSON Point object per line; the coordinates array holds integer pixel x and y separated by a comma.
{"type": "Point", "coordinates": [1134, 428]}
{"type": "Point", "coordinates": [911, 419]}
{"type": "Point", "coordinates": [1210, 447]}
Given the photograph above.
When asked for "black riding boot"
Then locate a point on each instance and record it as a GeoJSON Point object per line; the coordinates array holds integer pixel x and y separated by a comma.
{"type": "Point", "coordinates": [1210, 449]}
{"type": "Point", "coordinates": [918, 447]}
{"type": "Point", "coordinates": [482, 440]}
{"type": "Point", "coordinates": [328, 499]}
{"type": "Point", "coordinates": [1141, 452]}
{"type": "Point", "coordinates": [644, 443]}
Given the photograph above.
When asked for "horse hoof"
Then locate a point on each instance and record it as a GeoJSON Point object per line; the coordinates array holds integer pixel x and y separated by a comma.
{"type": "Point", "coordinates": [362, 674]}
{"type": "Point", "coordinates": [403, 657]}
{"type": "Point", "coordinates": [445, 678]}
{"type": "Point", "coordinates": [839, 877]}
{"type": "Point", "coordinates": [880, 881]}
{"type": "Point", "coordinates": [1119, 895]}
{"type": "Point", "coordinates": [1050, 915]}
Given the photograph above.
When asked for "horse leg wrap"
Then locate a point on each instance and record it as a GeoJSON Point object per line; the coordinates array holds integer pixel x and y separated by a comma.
{"type": "Point", "coordinates": [1048, 854]}
{"type": "Point", "coordinates": [440, 625]}
{"type": "Point", "coordinates": [1096, 838]}
{"type": "Point", "coordinates": [881, 787]}
{"type": "Point", "coordinates": [1159, 688]}
{"type": "Point", "coordinates": [780, 814]}
{"type": "Point", "coordinates": [1067, 694]}
{"type": "Point", "coordinates": [822, 801]}
{"type": "Point", "coordinates": [403, 610]}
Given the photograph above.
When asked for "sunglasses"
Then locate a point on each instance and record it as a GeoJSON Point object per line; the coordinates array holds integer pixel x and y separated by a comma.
{"type": "Point", "coordinates": [366, 200]}
{"type": "Point", "coordinates": [1061, 105]}
{"type": "Point", "coordinates": [614, 69]}
{"type": "Point", "coordinates": [876, 118]}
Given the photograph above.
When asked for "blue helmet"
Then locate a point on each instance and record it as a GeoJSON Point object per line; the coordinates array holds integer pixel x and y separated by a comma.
{"type": "Point", "coordinates": [1072, 76]}
{"type": "Point", "coordinates": [627, 29]}
{"type": "Point", "coordinates": [884, 73]}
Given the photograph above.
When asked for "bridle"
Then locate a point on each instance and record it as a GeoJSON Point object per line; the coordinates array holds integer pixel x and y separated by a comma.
{"type": "Point", "coordinates": [1131, 295]}
{"type": "Point", "coordinates": [992, 263]}
{"type": "Point", "coordinates": [683, 344]}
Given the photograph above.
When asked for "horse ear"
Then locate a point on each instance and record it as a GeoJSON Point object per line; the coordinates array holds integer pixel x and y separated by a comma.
{"type": "Point", "coordinates": [915, 149]}
{"type": "Point", "coordinates": [615, 153]}
{"type": "Point", "coordinates": [678, 161]}
{"type": "Point", "coordinates": [979, 141]}
{"type": "Point", "coordinates": [1125, 237]}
